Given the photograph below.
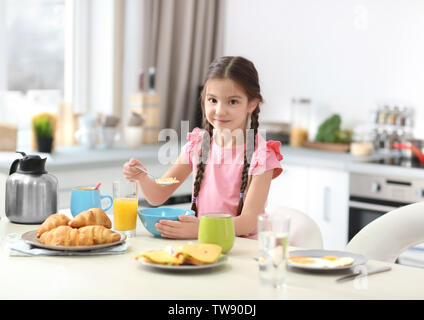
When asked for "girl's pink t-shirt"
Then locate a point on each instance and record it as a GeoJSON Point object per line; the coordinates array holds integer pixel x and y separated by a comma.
{"type": "Point", "coordinates": [220, 186]}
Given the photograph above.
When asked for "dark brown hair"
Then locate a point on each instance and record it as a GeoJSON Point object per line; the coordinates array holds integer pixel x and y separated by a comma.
{"type": "Point", "coordinates": [243, 72]}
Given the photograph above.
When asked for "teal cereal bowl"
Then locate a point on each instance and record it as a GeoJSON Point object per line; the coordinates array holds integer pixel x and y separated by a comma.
{"type": "Point", "coordinates": [150, 216]}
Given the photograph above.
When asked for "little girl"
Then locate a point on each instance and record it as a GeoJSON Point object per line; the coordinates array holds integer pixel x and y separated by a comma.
{"type": "Point", "coordinates": [232, 173]}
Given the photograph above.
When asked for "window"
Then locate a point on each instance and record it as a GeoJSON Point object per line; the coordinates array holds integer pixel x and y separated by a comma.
{"type": "Point", "coordinates": [33, 61]}
{"type": "Point", "coordinates": [55, 51]}
{"type": "Point", "coordinates": [35, 44]}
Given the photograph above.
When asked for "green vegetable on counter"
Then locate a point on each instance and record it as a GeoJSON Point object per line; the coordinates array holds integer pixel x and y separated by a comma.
{"type": "Point", "coordinates": [329, 131]}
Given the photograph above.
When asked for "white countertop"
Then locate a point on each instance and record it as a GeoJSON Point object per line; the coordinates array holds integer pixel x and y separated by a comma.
{"type": "Point", "coordinates": [75, 157]}
{"type": "Point", "coordinates": [347, 162]}
{"type": "Point", "coordinates": [122, 277]}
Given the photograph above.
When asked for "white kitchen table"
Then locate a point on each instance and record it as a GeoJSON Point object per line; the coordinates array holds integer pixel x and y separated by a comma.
{"type": "Point", "coordinates": [122, 277]}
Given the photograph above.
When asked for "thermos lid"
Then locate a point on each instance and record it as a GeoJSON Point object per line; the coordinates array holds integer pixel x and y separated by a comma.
{"type": "Point", "coordinates": [31, 164]}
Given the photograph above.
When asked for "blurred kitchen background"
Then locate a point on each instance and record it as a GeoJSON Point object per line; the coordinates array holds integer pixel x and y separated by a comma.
{"type": "Point", "coordinates": [77, 57]}
{"type": "Point", "coordinates": [103, 77]}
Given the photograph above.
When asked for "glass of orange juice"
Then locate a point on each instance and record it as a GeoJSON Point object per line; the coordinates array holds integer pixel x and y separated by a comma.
{"type": "Point", "coordinates": [125, 205]}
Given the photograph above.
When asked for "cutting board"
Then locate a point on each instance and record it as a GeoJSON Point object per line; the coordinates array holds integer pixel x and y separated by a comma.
{"type": "Point", "coordinates": [336, 147]}
{"type": "Point", "coordinates": [8, 137]}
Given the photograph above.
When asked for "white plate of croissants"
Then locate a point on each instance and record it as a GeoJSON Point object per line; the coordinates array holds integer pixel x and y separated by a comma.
{"type": "Point", "coordinates": [89, 230]}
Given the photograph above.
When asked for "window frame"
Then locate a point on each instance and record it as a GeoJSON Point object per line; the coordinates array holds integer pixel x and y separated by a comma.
{"type": "Point", "coordinates": [77, 54]}
{"type": "Point", "coordinates": [92, 74]}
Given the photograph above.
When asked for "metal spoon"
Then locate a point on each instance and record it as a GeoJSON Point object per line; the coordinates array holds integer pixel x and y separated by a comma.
{"type": "Point", "coordinates": [157, 180]}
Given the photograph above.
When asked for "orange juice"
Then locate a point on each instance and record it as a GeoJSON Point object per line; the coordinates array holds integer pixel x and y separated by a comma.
{"type": "Point", "coordinates": [125, 213]}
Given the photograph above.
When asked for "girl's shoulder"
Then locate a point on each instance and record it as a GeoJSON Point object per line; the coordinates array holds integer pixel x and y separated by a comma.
{"type": "Point", "coordinates": [274, 147]}
{"type": "Point", "coordinates": [193, 144]}
{"type": "Point", "coordinates": [196, 135]}
{"type": "Point", "coordinates": [195, 138]}
{"type": "Point", "coordinates": [269, 147]}
{"type": "Point", "coordinates": [266, 156]}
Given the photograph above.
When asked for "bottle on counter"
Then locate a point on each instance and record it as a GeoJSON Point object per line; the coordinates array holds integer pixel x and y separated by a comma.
{"type": "Point", "coordinates": [146, 103]}
{"type": "Point", "coordinates": [377, 116]}
{"type": "Point", "coordinates": [300, 111]}
{"type": "Point", "coordinates": [375, 137]}
{"type": "Point", "coordinates": [390, 140]}
{"type": "Point", "coordinates": [362, 142]}
{"type": "Point", "coordinates": [409, 118]}
{"type": "Point", "coordinates": [382, 114]}
{"type": "Point", "coordinates": [382, 136]}
{"type": "Point", "coordinates": [392, 115]}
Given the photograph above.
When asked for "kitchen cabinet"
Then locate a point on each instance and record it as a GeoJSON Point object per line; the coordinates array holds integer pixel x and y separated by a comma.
{"type": "Point", "coordinates": [321, 193]}
{"type": "Point", "coordinates": [328, 205]}
{"type": "Point", "coordinates": [290, 188]}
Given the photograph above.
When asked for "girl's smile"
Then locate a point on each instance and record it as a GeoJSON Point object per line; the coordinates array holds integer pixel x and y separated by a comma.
{"type": "Point", "coordinates": [222, 121]}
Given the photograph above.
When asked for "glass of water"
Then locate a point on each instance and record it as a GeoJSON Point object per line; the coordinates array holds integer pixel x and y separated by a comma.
{"type": "Point", "coordinates": [273, 235]}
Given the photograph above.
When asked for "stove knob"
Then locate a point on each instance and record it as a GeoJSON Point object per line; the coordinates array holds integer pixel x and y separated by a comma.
{"type": "Point", "coordinates": [375, 187]}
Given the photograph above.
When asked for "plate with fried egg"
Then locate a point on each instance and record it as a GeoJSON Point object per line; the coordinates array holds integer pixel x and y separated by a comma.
{"type": "Point", "coordinates": [324, 259]}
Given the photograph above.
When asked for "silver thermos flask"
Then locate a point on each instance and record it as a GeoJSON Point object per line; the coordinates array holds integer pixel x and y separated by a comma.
{"type": "Point", "coordinates": [31, 192]}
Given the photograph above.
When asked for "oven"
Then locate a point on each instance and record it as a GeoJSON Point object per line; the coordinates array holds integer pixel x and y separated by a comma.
{"type": "Point", "coordinates": [371, 196]}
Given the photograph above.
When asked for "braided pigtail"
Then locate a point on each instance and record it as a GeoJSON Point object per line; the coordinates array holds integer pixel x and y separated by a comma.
{"type": "Point", "coordinates": [250, 148]}
{"type": "Point", "coordinates": [203, 158]}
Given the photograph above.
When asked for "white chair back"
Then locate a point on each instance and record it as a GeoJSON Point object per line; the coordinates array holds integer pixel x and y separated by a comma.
{"type": "Point", "coordinates": [304, 232]}
{"type": "Point", "coordinates": [386, 237]}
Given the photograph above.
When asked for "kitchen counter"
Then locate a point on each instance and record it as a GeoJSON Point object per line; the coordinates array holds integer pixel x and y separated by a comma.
{"type": "Point", "coordinates": [122, 277]}
{"type": "Point", "coordinates": [70, 158]}
{"type": "Point", "coordinates": [105, 165]}
{"type": "Point", "coordinates": [347, 162]}
{"type": "Point", "coordinates": [76, 166]}
{"type": "Point", "coordinates": [77, 157]}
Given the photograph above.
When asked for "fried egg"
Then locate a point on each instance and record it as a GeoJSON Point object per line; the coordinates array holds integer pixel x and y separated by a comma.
{"type": "Point", "coordinates": [323, 262]}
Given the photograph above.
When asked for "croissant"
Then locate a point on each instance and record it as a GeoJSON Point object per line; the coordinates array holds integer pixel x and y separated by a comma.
{"type": "Point", "coordinates": [52, 222]}
{"type": "Point", "coordinates": [85, 236]}
{"type": "Point", "coordinates": [91, 217]}
{"type": "Point", "coordinates": [61, 236]}
{"type": "Point", "coordinates": [98, 234]}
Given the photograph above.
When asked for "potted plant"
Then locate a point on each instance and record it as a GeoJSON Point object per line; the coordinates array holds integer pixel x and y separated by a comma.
{"type": "Point", "coordinates": [44, 134]}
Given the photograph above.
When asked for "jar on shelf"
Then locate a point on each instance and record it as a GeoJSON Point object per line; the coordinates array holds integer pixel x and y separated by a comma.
{"type": "Point", "coordinates": [409, 118]}
{"type": "Point", "coordinates": [393, 115]}
{"type": "Point", "coordinates": [362, 141]}
{"type": "Point", "coordinates": [300, 118]}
